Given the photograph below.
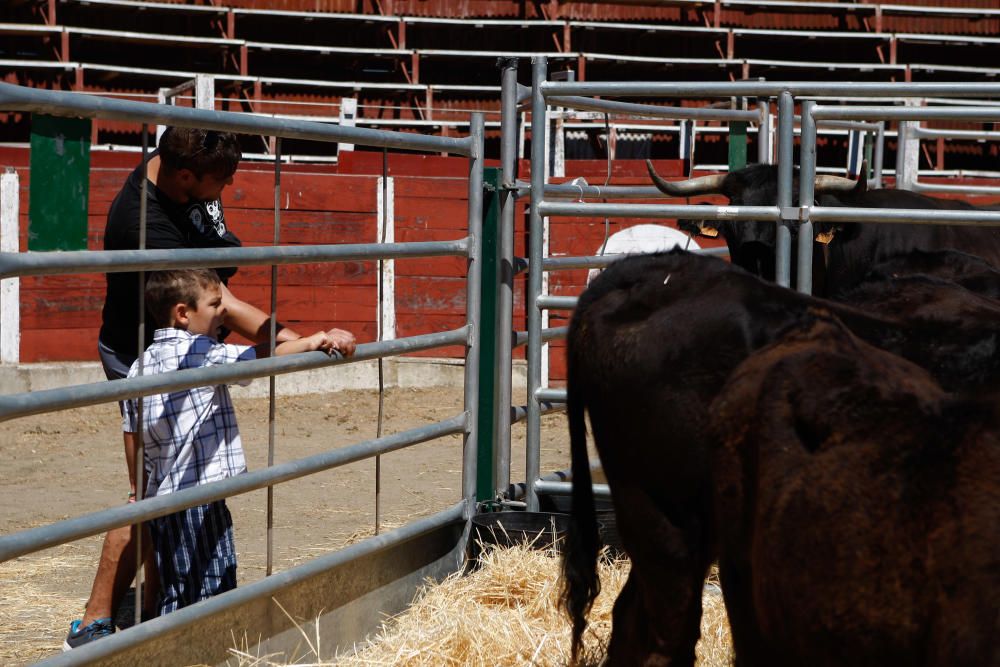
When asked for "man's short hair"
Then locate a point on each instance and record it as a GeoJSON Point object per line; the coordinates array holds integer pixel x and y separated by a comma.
{"type": "Point", "coordinates": [201, 151]}
{"type": "Point", "coordinates": [166, 289]}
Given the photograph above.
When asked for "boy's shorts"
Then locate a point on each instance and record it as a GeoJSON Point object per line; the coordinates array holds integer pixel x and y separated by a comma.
{"type": "Point", "coordinates": [195, 555]}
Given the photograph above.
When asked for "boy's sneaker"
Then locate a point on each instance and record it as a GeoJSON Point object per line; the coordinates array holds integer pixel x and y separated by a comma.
{"type": "Point", "coordinates": [78, 636]}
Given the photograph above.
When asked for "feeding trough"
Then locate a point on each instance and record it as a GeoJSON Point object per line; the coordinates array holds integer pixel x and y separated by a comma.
{"type": "Point", "coordinates": [540, 530]}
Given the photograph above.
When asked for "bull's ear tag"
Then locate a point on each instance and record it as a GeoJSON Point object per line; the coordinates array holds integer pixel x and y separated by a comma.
{"type": "Point", "coordinates": [710, 232]}
{"type": "Point", "coordinates": [824, 237]}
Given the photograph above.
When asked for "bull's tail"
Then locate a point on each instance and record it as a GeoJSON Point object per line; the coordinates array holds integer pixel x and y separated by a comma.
{"type": "Point", "coordinates": [581, 583]}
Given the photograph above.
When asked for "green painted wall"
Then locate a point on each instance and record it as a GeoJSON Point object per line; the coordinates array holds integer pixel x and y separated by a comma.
{"type": "Point", "coordinates": [60, 179]}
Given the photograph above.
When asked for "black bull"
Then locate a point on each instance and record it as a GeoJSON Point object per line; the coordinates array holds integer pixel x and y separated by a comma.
{"type": "Point", "coordinates": [857, 507]}
{"type": "Point", "coordinates": [650, 345]}
{"type": "Point", "coordinates": [852, 248]}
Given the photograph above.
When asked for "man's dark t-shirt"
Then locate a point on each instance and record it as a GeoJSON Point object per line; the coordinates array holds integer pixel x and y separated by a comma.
{"type": "Point", "coordinates": [168, 225]}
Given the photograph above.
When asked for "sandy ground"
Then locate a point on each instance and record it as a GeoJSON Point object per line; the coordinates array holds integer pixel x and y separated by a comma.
{"type": "Point", "coordinates": [63, 464]}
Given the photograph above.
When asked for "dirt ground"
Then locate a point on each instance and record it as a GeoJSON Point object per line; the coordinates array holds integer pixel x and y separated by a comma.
{"type": "Point", "coordinates": [64, 464]}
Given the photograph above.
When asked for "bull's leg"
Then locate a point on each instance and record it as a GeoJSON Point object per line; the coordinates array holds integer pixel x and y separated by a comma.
{"type": "Point", "coordinates": [657, 617]}
{"type": "Point", "coordinates": [735, 577]}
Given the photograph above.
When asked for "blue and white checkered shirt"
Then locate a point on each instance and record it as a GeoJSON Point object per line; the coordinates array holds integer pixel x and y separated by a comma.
{"type": "Point", "coordinates": [190, 436]}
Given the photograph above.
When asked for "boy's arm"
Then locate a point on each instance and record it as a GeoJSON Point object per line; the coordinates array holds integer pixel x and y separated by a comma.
{"type": "Point", "coordinates": [321, 340]}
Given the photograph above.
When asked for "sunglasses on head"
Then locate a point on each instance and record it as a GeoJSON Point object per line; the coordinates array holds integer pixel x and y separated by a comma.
{"type": "Point", "coordinates": [208, 142]}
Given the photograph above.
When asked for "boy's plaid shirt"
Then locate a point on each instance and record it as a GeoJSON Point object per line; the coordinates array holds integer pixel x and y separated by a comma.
{"type": "Point", "coordinates": [190, 436]}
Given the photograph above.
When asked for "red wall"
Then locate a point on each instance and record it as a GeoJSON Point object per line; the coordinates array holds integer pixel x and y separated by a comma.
{"type": "Point", "coordinates": [61, 315]}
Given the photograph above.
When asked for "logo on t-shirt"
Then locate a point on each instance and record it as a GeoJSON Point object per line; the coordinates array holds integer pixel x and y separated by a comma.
{"type": "Point", "coordinates": [213, 209]}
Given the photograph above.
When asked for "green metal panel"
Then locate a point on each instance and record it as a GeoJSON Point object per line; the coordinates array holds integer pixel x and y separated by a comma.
{"type": "Point", "coordinates": [60, 179]}
{"type": "Point", "coordinates": [488, 370]}
{"type": "Point", "coordinates": [737, 145]}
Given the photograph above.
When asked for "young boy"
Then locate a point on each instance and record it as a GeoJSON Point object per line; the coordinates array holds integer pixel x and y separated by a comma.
{"type": "Point", "coordinates": [190, 436]}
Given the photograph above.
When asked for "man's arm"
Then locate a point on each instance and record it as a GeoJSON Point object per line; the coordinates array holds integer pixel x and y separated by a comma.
{"type": "Point", "coordinates": [251, 322]}
{"type": "Point", "coordinates": [254, 324]}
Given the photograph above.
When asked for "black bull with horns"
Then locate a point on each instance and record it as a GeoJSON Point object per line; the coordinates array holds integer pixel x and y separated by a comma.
{"type": "Point", "coordinates": [851, 249]}
{"type": "Point", "coordinates": [651, 344]}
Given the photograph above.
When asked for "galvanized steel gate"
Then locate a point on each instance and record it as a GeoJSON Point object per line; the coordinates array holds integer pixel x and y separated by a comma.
{"type": "Point", "coordinates": [349, 591]}
{"type": "Point", "coordinates": [582, 96]}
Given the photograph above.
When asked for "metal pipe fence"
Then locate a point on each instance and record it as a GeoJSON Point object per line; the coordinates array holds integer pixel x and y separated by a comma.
{"type": "Point", "coordinates": [785, 216]}
{"type": "Point", "coordinates": [15, 98]}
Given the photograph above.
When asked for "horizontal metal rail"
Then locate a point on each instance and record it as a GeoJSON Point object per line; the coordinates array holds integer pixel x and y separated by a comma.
{"type": "Point", "coordinates": [550, 394]}
{"type": "Point", "coordinates": [520, 412]}
{"type": "Point", "coordinates": [846, 124]}
{"type": "Point", "coordinates": [34, 539]}
{"type": "Point", "coordinates": [768, 89]}
{"type": "Point", "coordinates": [905, 216]}
{"type": "Point", "coordinates": [556, 302]}
{"type": "Point", "coordinates": [13, 264]}
{"type": "Point", "coordinates": [698, 212]}
{"type": "Point", "coordinates": [549, 334]}
{"type": "Point", "coordinates": [600, 261]}
{"type": "Point", "coordinates": [917, 186]}
{"type": "Point", "coordinates": [62, 398]}
{"type": "Point", "coordinates": [57, 103]}
{"type": "Point", "coordinates": [654, 111]}
{"type": "Point", "coordinates": [258, 590]}
{"type": "Point", "coordinates": [566, 488]}
{"type": "Point", "coordinates": [586, 191]}
{"type": "Point", "coordinates": [927, 133]}
{"type": "Point", "coordinates": [984, 114]}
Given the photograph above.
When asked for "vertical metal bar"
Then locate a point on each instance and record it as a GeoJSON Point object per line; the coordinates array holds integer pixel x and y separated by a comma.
{"type": "Point", "coordinates": [140, 453]}
{"type": "Point", "coordinates": [509, 129]}
{"type": "Point", "coordinates": [274, 343]}
{"type": "Point", "coordinates": [783, 251]}
{"type": "Point", "coordinates": [472, 310]}
{"type": "Point", "coordinates": [901, 129]}
{"type": "Point", "coordinates": [380, 417]}
{"type": "Point", "coordinates": [539, 67]}
{"type": "Point", "coordinates": [879, 153]}
{"type": "Point", "coordinates": [807, 171]}
{"type": "Point", "coordinates": [764, 132]}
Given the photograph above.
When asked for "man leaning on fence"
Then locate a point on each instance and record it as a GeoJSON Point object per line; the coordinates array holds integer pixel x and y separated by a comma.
{"type": "Point", "coordinates": [184, 180]}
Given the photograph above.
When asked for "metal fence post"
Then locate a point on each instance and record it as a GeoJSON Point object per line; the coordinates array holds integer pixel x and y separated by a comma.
{"type": "Point", "coordinates": [782, 262]}
{"type": "Point", "coordinates": [807, 171]}
{"type": "Point", "coordinates": [505, 295]}
{"type": "Point", "coordinates": [472, 309]}
{"type": "Point", "coordinates": [535, 251]}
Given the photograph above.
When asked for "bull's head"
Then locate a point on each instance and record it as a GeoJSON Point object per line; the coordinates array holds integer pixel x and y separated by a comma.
{"type": "Point", "coordinates": [751, 244]}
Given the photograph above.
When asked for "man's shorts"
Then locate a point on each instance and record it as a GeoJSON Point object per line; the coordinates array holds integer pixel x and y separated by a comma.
{"type": "Point", "coordinates": [116, 365]}
{"type": "Point", "coordinates": [195, 555]}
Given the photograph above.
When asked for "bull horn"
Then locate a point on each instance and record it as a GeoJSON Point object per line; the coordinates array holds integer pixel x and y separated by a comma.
{"type": "Point", "coordinates": [834, 184]}
{"type": "Point", "coordinates": [703, 185]}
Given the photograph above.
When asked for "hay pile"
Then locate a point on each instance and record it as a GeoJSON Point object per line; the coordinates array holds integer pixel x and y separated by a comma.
{"type": "Point", "coordinates": [507, 613]}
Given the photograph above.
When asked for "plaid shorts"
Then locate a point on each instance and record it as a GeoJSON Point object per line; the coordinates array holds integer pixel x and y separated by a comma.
{"type": "Point", "coordinates": [195, 555]}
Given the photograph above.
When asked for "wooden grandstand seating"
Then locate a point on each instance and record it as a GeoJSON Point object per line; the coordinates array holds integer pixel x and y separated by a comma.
{"type": "Point", "coordinates": [434, 60]}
